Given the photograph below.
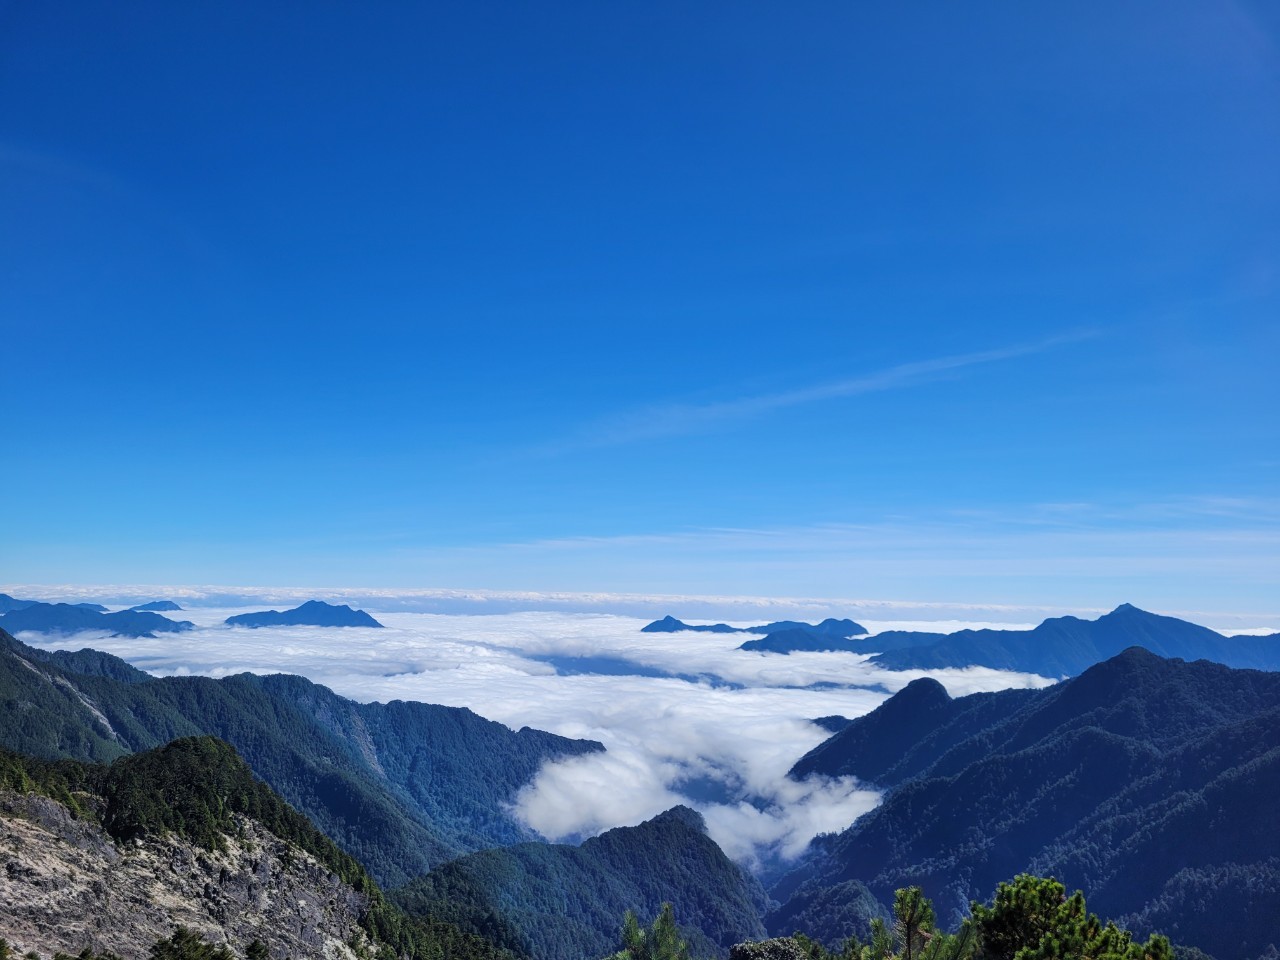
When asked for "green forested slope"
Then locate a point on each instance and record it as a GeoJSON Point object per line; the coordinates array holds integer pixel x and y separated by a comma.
{"type": "Point", "coordinates": [402, 786]}
{"type": "Point", "coordinates": [1149, 782]}
{"type": "Point", "coordinates": [562, 902]}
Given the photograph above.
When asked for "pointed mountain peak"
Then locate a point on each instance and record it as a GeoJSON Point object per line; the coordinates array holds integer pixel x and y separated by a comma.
{"type": "Point", "coordinates": [667, 624]}
{"type": "Point", "coordinates": [1131, 656]}
{"type": "Point", "coordinates": [1128, 610]}
{"type": "Point", "coordinates": [925, 691]}
{"type": "Point", "coordinates": [683, 815]}
{"type": "Point", "coordinates": [1126, 664]}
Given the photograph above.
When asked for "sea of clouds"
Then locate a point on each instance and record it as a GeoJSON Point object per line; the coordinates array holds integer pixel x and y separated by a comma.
{"type": "Point", "coordinates": [685, 717]}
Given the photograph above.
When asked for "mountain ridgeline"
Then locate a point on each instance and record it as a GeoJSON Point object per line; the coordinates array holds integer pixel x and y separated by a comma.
{"type": "Point", "coordinates": [1058, 647]}
{"type": "Point", "coordinates": [401, 786]}
{"type": "Point", "coordinates": [75, 618]}
{"type": "Point", "coordinates": [1151, 783]}
{"type": "Point", "coordinates": [781, 636]}
{"type": "Point", "coordinates": [560, 902]}
{"type": "Point", "coordinates": [8, 603]}
{"type": "Point", "coordinates": [828, 627]}
{"type": "Point", "coordinates": [313, 613]}
{"type": "Point", "coordinates": [1065, 646]}
{"type": "Point", "coordinates": [157, 606]}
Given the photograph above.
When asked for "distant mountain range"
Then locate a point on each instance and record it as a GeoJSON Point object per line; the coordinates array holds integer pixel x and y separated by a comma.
{"type": "Point", "coordinates": [402, 786]}
{"type": "Point", "coordinates": [1150, 783]}
{"type": "Point", "coordinates": [1058, 647]}
{"type": "Point", "coordinates": [8, 603]}
{"type": "Point", "coordinates": [781, 636]}
{"type": "Point", "coordinates": [74, 618]}
{"type": "Point", "coordinates": [1064, 646]}
{"type": "Point", "coordinates": [828, 627]}
{"type": "Point", "coordinates": [560, 902]}
{"type": "Point", "coordinates": [798, 639]}
{"type": "Point", "coordinates": [313, 613]}
{"type": "Point", "coordinates": [158, 606]}
{"type": "Point", "coordinates": [144, 620]}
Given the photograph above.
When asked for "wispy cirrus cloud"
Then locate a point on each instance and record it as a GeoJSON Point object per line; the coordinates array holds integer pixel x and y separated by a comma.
{"type": "Point", "coordinates": [664, 420]}
{"type": "Point", "coordinates": [1213, 558]}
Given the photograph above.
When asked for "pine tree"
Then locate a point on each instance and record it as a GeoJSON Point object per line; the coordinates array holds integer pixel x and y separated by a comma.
{"type": "Point", "coordinates": [913, 921]}
{"type": "Point", "coordinates": [186, 944]}
{"type": "Point", "coordinates": [1032, 918]}
{"type": "Point", "coordinates": [662, 941]}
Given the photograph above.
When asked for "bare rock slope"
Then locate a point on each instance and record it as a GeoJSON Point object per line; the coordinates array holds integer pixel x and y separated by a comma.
{"type": "Point", "coordinates": [66, 885]}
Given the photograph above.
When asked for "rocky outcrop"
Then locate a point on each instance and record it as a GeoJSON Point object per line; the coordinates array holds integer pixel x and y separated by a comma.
{"type": "Point", "coordinates": [65, 885]}
{"type": "Point", "coordinates": [779, 948]}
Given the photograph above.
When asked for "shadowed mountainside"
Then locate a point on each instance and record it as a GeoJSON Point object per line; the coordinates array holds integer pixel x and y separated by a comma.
{"type": "Point", "coordinates": [561, 902]}
{"type": "Point", "coordinates": [1148, 782]}
{"type": "Point", "coordinates": [402, 786]}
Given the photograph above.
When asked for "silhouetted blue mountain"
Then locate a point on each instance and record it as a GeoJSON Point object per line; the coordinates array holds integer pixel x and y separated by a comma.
{"type": "Point", "coordinates": [313, 613]}
{"type": "Point", "coordinates": [12, 603]}
{"type": "Point", "coordinates": [1064, 646]}
{"type": "Point", "coordinates": [72, 618]}
{"type": "Point", "coordinates": [799, 639]}
{"type": "Point", "coordinates": [670, 624]}
{"type": "Point", "coordinates": [158, 606]}
{"type": "Point", "coordinates": [1149, 782]}
{"type": "Point", "coordinates": [8, 603]}
{"type": "Point", "coordinates": [830, 628]}
{"type": "Point", "coordinates": [832, 724]}
{"type": "Point", "coordinates": [401, 786]}
{"type": "Point", "coordinates": [561, 902]}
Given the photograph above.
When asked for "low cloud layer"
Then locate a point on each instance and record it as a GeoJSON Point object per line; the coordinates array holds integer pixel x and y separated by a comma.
{"type": "Point", "coordinates": [720, 736]}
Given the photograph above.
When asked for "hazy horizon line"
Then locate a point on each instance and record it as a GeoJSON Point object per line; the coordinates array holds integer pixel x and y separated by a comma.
{"type": "Point", "coordinates": [696, 606]}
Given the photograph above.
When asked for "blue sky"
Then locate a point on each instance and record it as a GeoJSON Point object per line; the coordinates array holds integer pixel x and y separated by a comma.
{"type": "Point", "coordinates": [939, 302]}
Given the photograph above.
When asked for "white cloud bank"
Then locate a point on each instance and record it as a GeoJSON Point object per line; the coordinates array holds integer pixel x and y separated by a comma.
{"type": "Point", "coordinates": [719, 737]}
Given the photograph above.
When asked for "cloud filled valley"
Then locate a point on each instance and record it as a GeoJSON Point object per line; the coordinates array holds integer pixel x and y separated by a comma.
{"type": "Point", "coordinates": [685, 717]}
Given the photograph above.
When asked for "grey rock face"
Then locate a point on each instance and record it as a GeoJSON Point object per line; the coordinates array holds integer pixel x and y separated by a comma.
{"type": "Point", "coordinates": [64, 885]}
{"type": "Point", "coordinates": [779, 948]}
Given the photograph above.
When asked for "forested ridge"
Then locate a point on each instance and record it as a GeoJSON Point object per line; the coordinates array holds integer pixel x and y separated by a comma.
{"type": "Point", "coordinates": [1148, 782]}
{"type": "Point", "coordinates": [558, 902]}
{"type": "Point", "coordinates": [403, 786]}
